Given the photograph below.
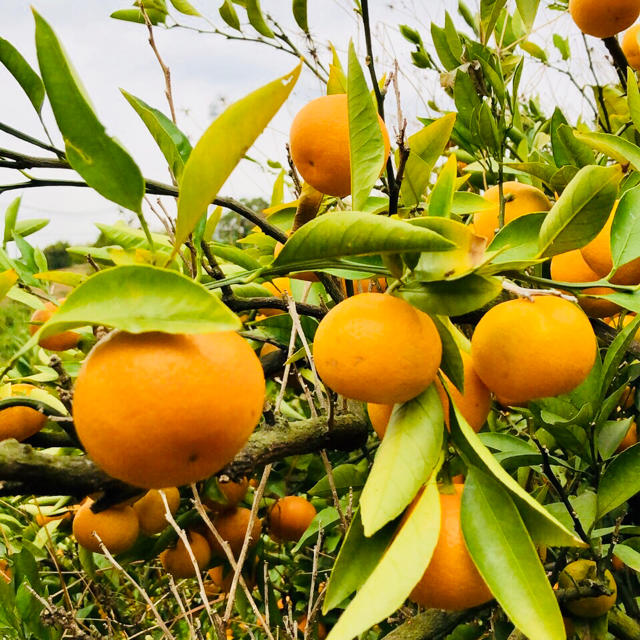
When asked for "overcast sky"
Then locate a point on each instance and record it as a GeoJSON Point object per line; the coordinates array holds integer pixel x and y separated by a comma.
{"type": "Point", "coordinates": [208, 69]}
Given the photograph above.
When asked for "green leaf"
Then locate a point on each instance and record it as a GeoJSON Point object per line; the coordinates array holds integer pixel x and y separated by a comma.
{"type": "Point", "coordinates": [142, 298]}
{"type": "Point", "coordinates": [562, 45]}
{"type": "Point", "coordinates": [356, 560]}
{"type": "Point", "coordinates": [21, 70]}
{"type": "Point", "coordinates": [617, 349]}
{"type": "Point", "coordinates": [234, 255]}
{"type": "Point", "coordinates": [10, 217]}
{"type": "Point", "coordinates": [625, 229]}
{"type": "Point", "coordinates": [489, 14]}
{"type": "Point", "coordinates": [299, 8]}
{"type": "Point", "coordinates": [527, 10]}
{"type": "Point", "coordinates": [327, 518]}
{"type": "Point", "coordinates": [352, 233]}
{"type": "Point", "coordinates": [451, 364]}
{"type": "Point", "coordinates": [543, 527]}
{"type": "Point", "coordinates": [448, 50]}
{"type": "Point", "coordinates": [185, 7]}
{"type": "Point", "coordinates": [136, 15]}
{"type": "Point", "coordinates": [633, 98]}
{"type": "Point", "coordinates": [345, 477]}
{"type": "Point", "coordinates": [405, 560]}
{"type": "Point", "coordinates": [441, 198]}
{"type": "Point", "coordinates": [465, 202]}
{"type": "Point", "coordinates": [620, 480]}
{"type": "Point", "coordinates": [174, 145]}
{"type": "Point", "coordinates": [228, 14]}
{"type": "Point", "coordinates": [567, 150]}
{"type": "Point", "coordinates": [25, 228]}
{"type": "Point", "coordinates": [611, 433]}
{"type": "Point", "coordinates": [581, 211]}
{"type": "Point", "coordinates": [628, 555]}
{"type": "Point", "coordinates": [453, 298]}
{"type": "Point", "coordinates": [222, 146]}
{"type": "Point", "coordinates": [254, 13]}
{"type": "Point", "coordinates": [366, 145]}
{"type": "Point", "coordinates": [615, 147]}
{"type": "Point", "coordinates": [426, 146]}
{"type": "Point", "coordinates": [534, 50]}
{"type": "Point", "coordinates": [99, 159]}
{"type": "Point", "coordinates": [518, 240]}
{"type": "Point", "coordinates": [405, 459]}
{"type": "Point", "coordinates": [506, 557]}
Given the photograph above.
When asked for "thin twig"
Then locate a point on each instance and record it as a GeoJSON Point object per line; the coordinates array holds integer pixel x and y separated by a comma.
{"type": "Point", "coordinates": [344, 525]}
{"type": "Point", "coordinates": [314, 577]}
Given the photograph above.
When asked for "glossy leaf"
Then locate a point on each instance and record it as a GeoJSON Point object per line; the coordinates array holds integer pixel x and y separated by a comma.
{"type": "Point", "coordinates": [581, 211]}
{"type": "Point", "coordinates": [229, 15]}
{"type": "Point", "coordinates": [441, 198]}
{"type": "Point", "coordinates": [611, 433]}
{"type": "Point", "coordinates": [21, 70]}
{"type": "Point", "coordinates": [452, 298]}
{"type": "Point", "coordinates": [135, 15]}
{"type": "Point", "coordinates": [352, 233]}
{"type": "Point", "coordinates": [465, 202]}
{"type": "Point", "coordinates": [366, 145]}
{"type": "Point", "coordinates": [562, 45]}
{"type": "Point", "coordinates": [633, 98]}
{"type": "Point", "coordinates": [28, 226]}
{"type": "Point", "coordinates": [337, 82]}
{"type": "Point", "coordinates": [617, 349]}
{"type": "Point", "coordinates": [357, 558]}
{"type": "Point", "coordinates": [489, 14]}
{"type": "Point", "coordinates": [506, 557]}
{"type": "Point", "coordinates": [99, 159]}
{"type": "Point", "coordinates": [527, 10]}
{"type": "Point", "coordinates": [543, 527]}
{"type": "Point", "coordinates": [518, 240]}
{"type": "Point", "coordinates": [566, 148]}
{"type": "Point", "coordinates": [426, 146]}
{"type": "Point", "coordinates": [222, 146]}
{"type": "Point", "coordinates": [451, 364]}
{"type": "Point", "coordinates": [10, 217]}
{"type": "Point", "coordinates": [625, 230]}
{"type": "Point", "coordinates": [142, 298]}
{"type": "Point", "coordinates": [185, 7]}
{"type": "Point", "coordinates": [174, 145]}
{"type": "Point", "coordinates": [620, 480]}
{"type": "Point", "coordinates": [628, 555]}
{"type": "Point", "coordinates": [405, 560]}
{"type": "Point", "coordinates": [299, 8]}
{"type": "Point", "coordinates": [615, 147]}
{"type": "Point", "coordinates": [345, 477]}
{"type": "Point", "coordinates": [404, 461]}
{"type": "Point", "coordinates": [68, 278]}
{"type": "Point", "coordinates": [256, 19]}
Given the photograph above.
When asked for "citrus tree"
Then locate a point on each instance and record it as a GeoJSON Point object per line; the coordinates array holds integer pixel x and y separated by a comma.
{"type": "Point", "coordinates": [401, 403]}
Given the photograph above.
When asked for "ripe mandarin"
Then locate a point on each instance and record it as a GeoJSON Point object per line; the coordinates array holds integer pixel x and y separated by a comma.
{"type": "Point", "coordinates": [117, 527]}
{"type": "Point", "coordinates": [233, 493]}
{"type": "Point", "coordinates": [20, 422]}
{"type": "Point", "coordinates": [177, 560]}
{"type": "Point", "coordinates": [319, 142]}
{"type": "Point", "coordinates": [157, 409]}
{"type": "Point", "coordinates": [451, 580]}
{"type": "Point", "coordinates": [572, 267]}
{"type": "Point", "coordinates": [525, 349]}
{"type": "Point", "coordinates": [630, 46]}
{"type": "Point", "coordinates": [604, 19]}
{"type": "Point", "coordinates": [151, 512]}
{"type": "Point", "coordinates": [290, 517]}
{"type": "Point", "coordinates": [520, 200]}
{"type": "Point", "coordinates": [232, 526]}
{"type": "Point", "coordinates": [58, 341]}
{"type": "Point", "coordinates": [377, 348]}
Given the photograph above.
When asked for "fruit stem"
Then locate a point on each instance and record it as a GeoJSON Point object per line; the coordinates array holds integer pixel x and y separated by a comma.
{"type": "Point", "coordinates": [529, 294]}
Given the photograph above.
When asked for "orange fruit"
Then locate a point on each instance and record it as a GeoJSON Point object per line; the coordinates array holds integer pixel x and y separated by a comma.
{"type": "Point", "coordinates": [628, 397]}
{"type": "Point", "coordinates": [20, 422]}
{"type": "Point", "coordinates": [42, 520]}
{"type": "Point", "coordinates": [474, 403]}
{"type": "Point", "coordinates": [525, 349]}
{"type": "Point", "coordinates": [117, 527]}
{"type": "Point", "coordinates": [377, 348]}
{"type": "Point", "coordinates": [268, 348]}
{"type": "Point", "coordinates": [320, 632]}
{"type": "Point", "coordinates": [617, 564]}
{"type": "Point", "coordinates": [604, 19]}
{"type": "Point", "coordinates": [58, 341]}
{"type": "Point", "coordinates": [151, 511]}
{"type": "Point", "coordinates": [572, 267]}
{"type": "Point", "coordinates": [232, 526]}
{"type": "Point", "coordinates": [451, 580]}
{"type": "Point", "coordinates": [319, 143]}
{"type": "Point", "coordinates": [277, 288]}
{"type": "Point", "coordinates": [593, 607]}
{"type": "Point", "coordinates": [290, 517]}
{"type": "Point", "coordinates": [233, 492]}
{"type": "Point", "coordinates": [630, 438]}
{"type": "Point", "coordinates": [5, 571]}
{"type": "Point", "coordinates": [179, 406]}
{"type": "Point", "coordinates": [218, 580]}
{"type": "Point", "coordinates": [630, 46]}
{"type": "Point", "coordinates": [597, 255]}
{"type": "Point", "coordinates": [177, 560]}
{"type": "Point", "coordinates": [520, 200]}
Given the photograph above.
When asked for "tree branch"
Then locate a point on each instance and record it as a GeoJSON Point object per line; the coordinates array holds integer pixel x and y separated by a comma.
{"type": "Point", "coordinates": [433, 624]}
{"type": "Point", "coordinates": [622, 626]}
{"type": "Point", "coordinates": [619, 59]}
{"type": "Point", "coordinates": [27, 471]}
